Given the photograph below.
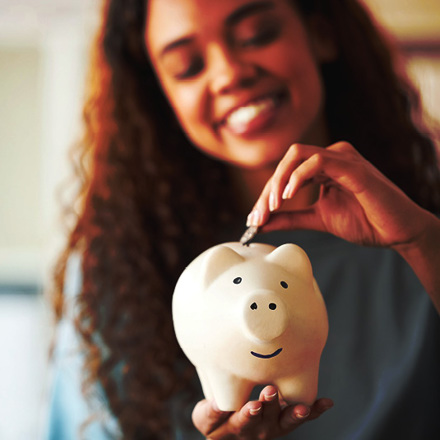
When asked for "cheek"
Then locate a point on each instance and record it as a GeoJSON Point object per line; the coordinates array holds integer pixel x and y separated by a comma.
{"type": "Point", "coordinates": [295, 63]}
{"type": "Point", "coordinates": [184, 102]}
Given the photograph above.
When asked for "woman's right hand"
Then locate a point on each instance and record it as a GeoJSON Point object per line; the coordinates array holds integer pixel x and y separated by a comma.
{"type": "Point", "coordinates": [266, 418]}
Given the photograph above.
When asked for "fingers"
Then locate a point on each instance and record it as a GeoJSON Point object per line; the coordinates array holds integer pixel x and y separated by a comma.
{"type": "Point", "coordinates": [302, 164]}
{"type": "Point", "coordinates": [305, 172]}
{"type": "Point", "coordinates": [270, 198]}
{"type": "Point", "coordinates": [245, 421]}
{"type": "Point", "coordinates": [269, 395]}
{"type": "Point", "coordinates": [320, 407]}
{"type": "Point", "coordinates": [217, 424]}
{"type": "Point", "coordinates": [207, 417]}
{"type": "Point", "coordinates": [292, 417]}
{"type": "Point", "coordinates": [287, 178]}
{"type": "Point", "coordinates": [257, 419]}
{"type": "Point", "coordinates": [260, 214]}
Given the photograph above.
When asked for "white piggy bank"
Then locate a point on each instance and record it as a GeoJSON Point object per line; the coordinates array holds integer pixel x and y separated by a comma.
{"type": "Point", "coordinates": [249, 315]}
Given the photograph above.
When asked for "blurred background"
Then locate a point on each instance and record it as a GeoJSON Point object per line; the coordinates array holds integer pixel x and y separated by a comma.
{"type": "Point", "coordinates": [44, 49]}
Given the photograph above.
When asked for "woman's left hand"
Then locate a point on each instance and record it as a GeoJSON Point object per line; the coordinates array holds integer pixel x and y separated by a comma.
{"type": "Point", "coordinates": [356, 202]}
{"type": "Point", "coordinates": [266, 418]}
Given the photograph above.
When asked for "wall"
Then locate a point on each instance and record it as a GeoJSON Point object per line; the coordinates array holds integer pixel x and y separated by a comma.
{"type": "Point", "coordinates": [20, 152]}
{"type": "Point", "coordinates": [43, 56]}
{"type": "Point", "coordinates": [43, 60]}
{"type": "Point", "coordinates": [424, 68]}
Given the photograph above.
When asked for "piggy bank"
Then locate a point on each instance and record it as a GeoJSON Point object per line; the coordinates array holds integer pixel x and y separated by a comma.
{"type": "Point", "coordinates": [251, 315]}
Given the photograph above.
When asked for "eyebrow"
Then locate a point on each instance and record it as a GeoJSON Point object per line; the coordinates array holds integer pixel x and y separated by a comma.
{"type": "Point", "coordinates": [239, 14]}
{"type": "Point", "coordinates": [175, 44]}
{"type": "Point", "coordinates": [249, 9]}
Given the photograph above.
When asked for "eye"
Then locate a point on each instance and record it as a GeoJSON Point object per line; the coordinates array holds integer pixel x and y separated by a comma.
{"type": "Point", "coordinates": [284, 285]}
{"type": "Point", "coordinates": [183, 62]}
{"type": "Point", "coordinates": [257, 32]}
{"type": "Point", "coordinates": [195, 67]}
{"type": "Point", "coordinates": [262, 38]}
{"type": "Point", "coordinates": [237, 280]}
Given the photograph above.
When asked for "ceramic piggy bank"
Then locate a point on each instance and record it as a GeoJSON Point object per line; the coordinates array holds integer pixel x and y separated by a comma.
{"type": "Point", "coordinates": [249, 315]}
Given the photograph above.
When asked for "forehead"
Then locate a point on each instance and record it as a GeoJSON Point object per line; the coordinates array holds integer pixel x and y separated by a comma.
{"type": "Point", "coordinates": [171, 19]}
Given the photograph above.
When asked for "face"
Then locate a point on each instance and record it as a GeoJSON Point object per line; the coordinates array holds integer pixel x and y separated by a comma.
{"type": "Point", "coordinates": [241, 75]}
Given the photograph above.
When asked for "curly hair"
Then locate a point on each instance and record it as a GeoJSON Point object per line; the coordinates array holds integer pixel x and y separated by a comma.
{"type": "Point", "coordinates": [150, 201]}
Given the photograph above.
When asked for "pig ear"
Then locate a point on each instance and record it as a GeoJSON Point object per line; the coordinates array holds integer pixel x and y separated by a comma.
{"type": "Point", "coordinates": [217, 261]}
{"type": "Point", "coordinates": [291, 258]}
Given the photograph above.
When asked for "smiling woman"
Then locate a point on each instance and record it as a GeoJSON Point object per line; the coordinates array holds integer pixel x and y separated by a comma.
{"type": "Point", "coordinates": [199, 112]}
{"type": "Point", "coordinates": [236, 83]}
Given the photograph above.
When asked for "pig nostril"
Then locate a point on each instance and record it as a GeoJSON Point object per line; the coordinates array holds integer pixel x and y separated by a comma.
{"type": "Point", "coordinates": [254, 306]}
{"type": "Point", "coordinates": [272, 306]}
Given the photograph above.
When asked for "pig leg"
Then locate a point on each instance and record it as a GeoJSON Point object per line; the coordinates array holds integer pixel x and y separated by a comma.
{"type": "Point", "coordinates": [205, 384]}
{"type": "Point", "coordinates": [229, 392]}
{"type": "Point", "coordinates": [301, 388]}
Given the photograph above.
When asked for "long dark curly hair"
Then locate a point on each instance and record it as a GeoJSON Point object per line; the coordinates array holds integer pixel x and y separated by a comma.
{"type": "Point", "coordinates": [150, 201]}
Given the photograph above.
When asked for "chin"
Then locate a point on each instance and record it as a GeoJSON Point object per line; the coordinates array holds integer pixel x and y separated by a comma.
{"type": "Point", "coordinates": [255, 154]}
{"type": "Point", "coordinates": [263, 155]}
{"type": "Point", "coordinates": [255, 163]}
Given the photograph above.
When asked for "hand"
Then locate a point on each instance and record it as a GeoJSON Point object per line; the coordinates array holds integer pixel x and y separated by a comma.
{"type": "Point", "coordinates": [267, 418]}
{"type": "Point", "coordinates": [356, 201]}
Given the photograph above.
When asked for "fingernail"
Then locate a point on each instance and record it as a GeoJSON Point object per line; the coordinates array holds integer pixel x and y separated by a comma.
{"type": "Point", "coordinates": [272, 202]}
{"type": "Point", "coordinates": [270, 397]}
{"type": "Point", "coordinates": [253, 218]}
{"type": "Point", "coordinates": [301, 414]}
{"type": "Point", "coordinates": [287, 191]}
{"type": "Point", "coordinates": [254, 411]}
{"type": "Point", "coordinates": [249, 219]}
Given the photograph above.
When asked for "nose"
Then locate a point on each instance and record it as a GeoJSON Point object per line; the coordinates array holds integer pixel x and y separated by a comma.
{"type": "Point", "coordinates": [228, 71]}
{"type": "Point", "coordinates": [265, 316]}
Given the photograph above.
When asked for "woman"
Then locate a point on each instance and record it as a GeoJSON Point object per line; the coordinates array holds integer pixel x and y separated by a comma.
{"type": "Point", "coordinates": [242, 81]}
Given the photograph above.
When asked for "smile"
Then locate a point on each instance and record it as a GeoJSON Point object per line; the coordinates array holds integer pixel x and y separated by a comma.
{"type": "Point", "coordinates": [255, 115]}
{"type": "Point", "coordinates": [266, 356]}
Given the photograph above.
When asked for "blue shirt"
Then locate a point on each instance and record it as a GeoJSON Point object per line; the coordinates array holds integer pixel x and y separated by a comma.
{"type": "Point", "coordinates": [381, 363]}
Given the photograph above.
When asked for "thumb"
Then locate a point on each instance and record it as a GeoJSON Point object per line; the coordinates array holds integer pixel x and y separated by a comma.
{"type": "Point", "coordinates": [207, 417]}
{"type": "Point", "coordinates": [308, 218]}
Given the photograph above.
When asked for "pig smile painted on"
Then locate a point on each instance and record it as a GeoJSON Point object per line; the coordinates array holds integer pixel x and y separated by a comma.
{"type": "Point", "coordinates": [251, 315]}
{"type": "Point", "coordinates": [267, 356]}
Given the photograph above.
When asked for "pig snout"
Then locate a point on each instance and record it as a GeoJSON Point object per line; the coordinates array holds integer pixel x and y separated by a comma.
{"type": "Point", "coordinates": [265, 316]}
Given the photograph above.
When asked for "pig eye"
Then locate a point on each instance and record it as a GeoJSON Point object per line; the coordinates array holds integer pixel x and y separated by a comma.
{"type": "Point", "coordinates": [237, 280]}
{"type": "Point", "coordinates": [284, 285]}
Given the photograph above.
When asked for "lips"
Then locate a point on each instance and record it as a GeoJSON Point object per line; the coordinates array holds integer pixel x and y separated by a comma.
{"type": "Point", "coordinates": [253, 115]}
{"type": "Point", "coordinates": [266, 356]}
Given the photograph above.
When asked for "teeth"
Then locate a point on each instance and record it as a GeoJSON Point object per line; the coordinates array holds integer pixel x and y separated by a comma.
{"type": "Point", "coordinates": [245, 114]}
